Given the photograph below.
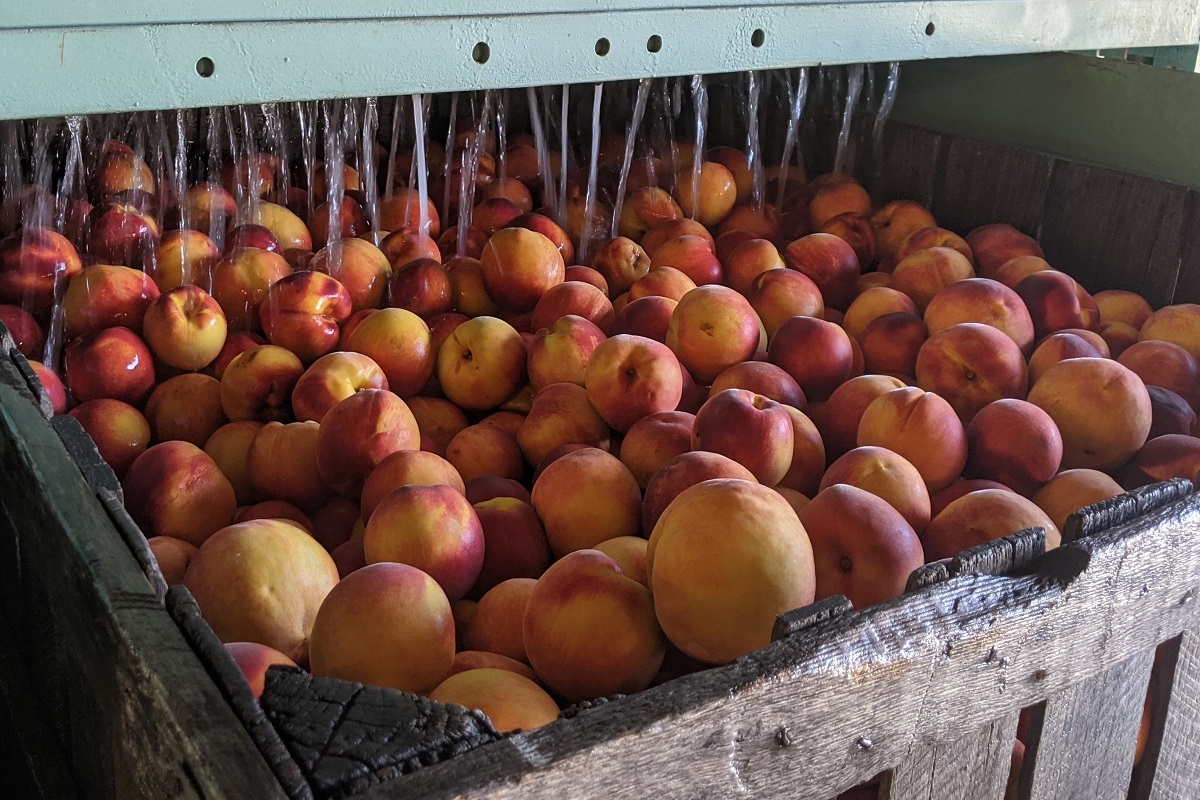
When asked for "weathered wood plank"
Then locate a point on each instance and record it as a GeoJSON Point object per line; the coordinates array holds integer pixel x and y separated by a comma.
{"type": "Point", "coordinates": [982, 182]}
{"type": "Point", "coordinates": [1084, 747]}
{"type": "Point", "coordinates": [972, 765]}
{"type": "Point", "coordinates": [796, 620]}
{"type": "Point", "coordinates": [908, 165]}
{"type": "Point", "coordinates": [1124, 508]}
{"type": "Point", "coordinates": [41, 399]}
{"type": "Point", "coordinates": [79, 444]}
{"type": "Point", "coordinates": [1187, 288]}
{"type": "Point", "coordinates": [1176, 771]}
{"type": "Point", "coordinates": [1007, 555]}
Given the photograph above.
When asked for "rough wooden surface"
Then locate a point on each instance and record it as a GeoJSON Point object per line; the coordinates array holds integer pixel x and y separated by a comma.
{"type": "Point", "coordinates": [134, 539]}
{"type": "Point", "coordinates": [41, 399]}
{"type": "Point", "coordinates": [973, 765]}
{"type": "Point", "coordinates": [1012, 554]}
{"type": "Point", "coordinates": [1176, 769]}
{"type": "Point", "coordinates": [794, 621]}
{"type": "Point", "coordinates": [1124, 508]}
{"type": "Point", "coordinates": [79, 444]}
{"type": "Point", "coordinates": [980, 180]}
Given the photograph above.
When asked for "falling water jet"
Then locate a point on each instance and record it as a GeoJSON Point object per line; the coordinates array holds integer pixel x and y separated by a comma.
{"type": "Point", "coordinates": [543, 152]}
{"type": "Point", "coordinates": [502, 135]}
{"type": "Point", "coordinates": [700, 105]}
{"type": "Point", "coordinates": [366, 160]}
{"type": "Point", "coordinates": [397, 114]}
{"type": "Point", "coordinates": [470, 172]}
{"type": "Point", "coordinates": [886, 101]}
{"type": "Point", "coordinates": [587, 230]}
{"type": "Point", "coordinates": [564, 157]}
{"type": "Point", "coordinates": [854, 81]}
{"type": "Point", "coordinates": [796, 97]}
{"type": "Point", "coordinates": [418, 103]}
{"type": "Point", "coordinates": [635, 122]}
{"type": "Point", "coordinates": [753, 143]}
{"type": "Point", "coordinates": [448, 168]}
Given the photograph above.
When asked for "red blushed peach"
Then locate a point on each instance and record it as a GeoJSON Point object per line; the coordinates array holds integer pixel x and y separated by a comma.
{"type": "Point", "coordinates": [519, 266]}
{"type": "Point", "coordinates": [993, 245]}
{"type": "Point", "coordinates": [282, 464]}
{"type": "Point", "coordinates": [662, 282]}
{"type": "Point", "coordinates": [892, 343]}
{"type": "Point", "coordinates": [1174, 455]}
{"type": "Point", "coordinates": [255, 173]}
{"type": "Point", "coordinates": [985, 301]}
{"type": "Point", "coordinates": [235, 345]}
{"type": "Point", "coordinates": [26, 332]}
{"type": "Point", "coordinates": [1059, 347]}
{"type": "Point", "coordinates": [590, 630]}
{"type": "Point", "coordinates": [808, 455]}
{"type": "Point", "coordinates": [660, 234]}
{"type": "Point", "coordinates": [207, 206]}
{"type": "Point", "coordinates": [402, 210]}
{"type": "Point", "coordinates": [275, 509]}
{"type": "Point", "coordinates": [758, 563]}
{"type": "Point", "coordinates": [422, 287]}
{"type": "Point", "coordinates": [482, 363]}
{"type": "Point", "coordinates": [1055, 301]}
{"type": "Point", "coordinates": [241, 280]}
{"type": "Point", "coordinates": [655, 440]}
{"type": "Point", "coordinates": [829, 262]}
{"type": "Point", "coordinates": [407, 643]}
{"type": "Point", "coordinates": [254, 660]}
{"type": "Point", "coordinates": [926, 272]}
{"type": "Point", "coordinates": [712, 329]}
{"type": "Point", "coordinates": [716, 198]}
{"type": "Point", "coordinates": [512, 702]}
{"type": "Point", "coordinates": [333, 523]}
{"type": "Point", "coordinates": [559, 353]}
{"type": "Point", "coordinates": [578, 299]}
{"type": "Point", "coordinates": [816, 353]}
{"type": "Point", "coordinates": [432, 528]}
{"type": "Point", "coordinates": [1178, 324]}
{"type": "Point", "coordinates": [738, 165]}
{"type": "Point", "coordinates": [175, 489]}
{"type": "Point", "coordinates": [493, 214]}
{"type": "Point", "coordinates": [104, 296]}
{"type": "Point", "coordinates": [691, 255]}
{"type": "Point", "coordinates": [855, 230]}
{"type": "Point", "coordinates": [400, 343]}
{"type": "Point", "coordinates": [113, 363]}
{"type": "Point", "coordinates": [228, 447]}
{"type": "Point", "coordinates": [971, 365]}
{"type": "Point", "coordinates": [841, 197]}
{"type": "Point", "coordinates": [862, 547]}
{"type": "Point", "coordinates": [762, 223]}
{"type": "Point", "coordinates": [465, 660]}
{"type": "Point", "coordinates": [681, 473]}
{"type": "Point", "coordinates": [839, 419]}
{"type": "Point", "coordinates": [871, 280]}
{"type": "Point", "coordinates": [584, 498]}
{"type": "Point", "coordinates": [485, 450]}
{"type": "Point", "coordinates": [185, 328]}
{"type": "Point", "coordinates": [120, 233]}
{"type": "Point", "coordinates": [873, 304]}
{"type": "Point", "coordinates": [288, 228]}
{"type": "Point", "coordinates": [561, 414]}
{"type": "Point", "coordinates": [407, 467]}
{"type": "Point", "coordinates": [183, 257]}
{"type": "Point", "coordinates": [360, 267]}
{"type": "Point", "coordinates": [586, 275]}
{"type": "Point", "coordinates": [406, 245]}
{"type": "Point", "coordinates": [511, 189]}
{"type": "Point", "coordinates": [896, 221]}
{"type": "Point", "coordinates": [360, 432]}
{"type": "Point", "coordinates": [349, 556]}
{"type": "Point", "coordinates": [644, 208]}
{"type": "Point", "coordinates": [1129, 308]}
{"type": "Point", "coordinates": [981, 517]}
{"type": "Point", "coordinates": [1119, 337]}
{"type": "Point", "coordinates": [630, 377]}
{"type": "Point", "coordinates": [934, 236]}
{"type": "Point", "coordinates": [515, 544]}
{"type": "Point", "coordinates": [119, 430]}
{"type": "Point", "coordinates": [490, 487]}
{"type": "Point", "coordinates": [1170, 413]}
{"type": "Point", "coordinates": [121, 170]}
{"type": "Point", "coordinates": [173, 556]}
{"type": "Point", "coordinates": [1073, 489]}
{"type": "Point", "coordinates": [778, 295]}
{"type": "Point", "coordinates": [497, 625]}
{"type": "Point", "coordinates": [630, 554]}
{"type": "Point", "coordinates": [437, 419]}
{"type": "Point", "coordinates": [252, 236]}
{"type": "Point", "coordinates": [1101, 409]}
{"type": "Point", "coordinates": [621, 262]}
{"type": "Point", "coordinates": [1015, 443]}
{"type": "Point", "coordinates": [331, 379]}
{"type": "Point", "coordinates": [1015, 270]}
{"type": "Point", "coordinates": [186, 408]}
{"type": "Point", "coordinates": [1164, 364]}
{"type": "Point", "coordinates": [30, 265]}
{"type": "Point", "coordinates": [886, 475]}
{"type": "Point", "coordinates": [258, 384]}
{"type": "Point", "coordinates": [729, 241]}
{"type": "Point", "coordinates": [303, 312]}
{"type": "Point", "coordinates": [762, 378]}
{"type": "Point", "coordinates": [539, 223]}
{"type": "Point", "coordinates": [961, 488]}
{"type": "Point", "coordinates": [752, 430]}
{"type": "Point", "coordinates": [921, 427]}
{"type": "Point", "coordinates": [506, 420]}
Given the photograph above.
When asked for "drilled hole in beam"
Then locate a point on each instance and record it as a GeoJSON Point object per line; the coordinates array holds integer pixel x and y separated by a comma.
{"type": "Point", "coordinates": [481, 53]}
{"type": "Point", "coordinates": [758, 37]}
{"type": "Point", "coordinates": [205, 67]}
{"type": "Point", "coordinates": [929, 29]}
{"type": "Point", "coordinates": [654, 43]}
{"type": "Point", "coordinates": [602, 46]}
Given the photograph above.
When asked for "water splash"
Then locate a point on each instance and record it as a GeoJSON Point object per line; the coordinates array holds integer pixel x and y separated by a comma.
{"type": "Point", "coordinates": [564, 156]}
{"type": "Point", "coordinates": [470, 171]}
{"type": "Point", "coordinates": [543, 152]}
{"type": "Point", "coordinates": [366, 161]}
{"type": "Point", "coordinates": [854, 82]}
{"type": "Point", "coordinates": [501, 135]}
{"type": "Point", "coordinates": [587, 231]}
{"type": "Point", "coordinates": [635, 123]}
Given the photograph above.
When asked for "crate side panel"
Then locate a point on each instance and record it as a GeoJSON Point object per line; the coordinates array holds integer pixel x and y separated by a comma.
{"type": "Point", "coordinates": [973, 765]}
{"type": "Point", "coordinates": [1177, 772]}
{"type": "Point", "coordinates": [979, 183]}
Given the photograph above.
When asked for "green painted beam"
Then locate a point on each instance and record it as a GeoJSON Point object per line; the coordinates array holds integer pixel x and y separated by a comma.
{"type": "Point", "coordinates": [88, 56]}
{"type": "Point", "coordinates": [1130, 117]}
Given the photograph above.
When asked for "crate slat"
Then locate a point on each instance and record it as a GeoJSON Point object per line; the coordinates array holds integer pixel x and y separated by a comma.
{"type": "Point", "coordinates": [1177, 771]}
{"type": "Point", "coordinates": [982, 182]}
{"type": "Point", "coordinates": [973, 765]}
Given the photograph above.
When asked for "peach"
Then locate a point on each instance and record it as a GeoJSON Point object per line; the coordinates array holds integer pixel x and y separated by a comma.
{"type": "Point", "coordinates": [984, 516]}
{"type": "Point", "coordinates": [485, 450]}
{"type": "Point", "coordinates": [1119, 337]}
{"type": "Point", "coordinates": [872, 304]}
{"type": "Point", "coordinates": [838, 197]}
{"type": "Point", "coordinates": [1165, 364]}
{"type": "Point", "coordinates": [712, 328]}
{"type": "Point", "coordinates": [406, 245]}
{"type": "Point", "coordinates": [1015, 270]}
{"type": "Point", "coordinates": [104, 296]}
{"type": "Point", "coordinates": [228, 447]}
{"type": "Point", "coordinates": [1058, 347]}
{"type": "Point", "coordinates": [515, 544]}
{"type": "Point", "coordinates": [437, 418]}
{"type": "Point", "coordinates": [422, 287]}
{"type": "Point", "coordinates": [185, 408]}
{"type": "Point", "coordinates": [258, 384]}
{"type": "Point", "coordinates": [691, 255]}
{"type": "Point", "coordinates": [871, 280]}
{"type": "Point", "coordinates": [926, 272]}
{"type": "Point", "coordinates": [896, 221]}
{"type": "Point", "coordinates": [621, 262]}
{"type": "Point", "coordinates": [886, 475]}
{"type": "Point", "coordinates": [808, 455]}
{"type": "Point", "coordinates": [333, 523]}
{"type": "Point", "coordinates": [26, 333]}
{"type": "Point", "coordinates": [1101, 409]}
{"type": "Point", "coordinates": [993, 245]}
{"type": "Point", "coordinates": [360, 267]}
{"type": "Point", "coordinates": [511, 189]}
{"type": "Point", "coordinates": [839, 421]}
{"type": "Point", "coordinates": [519, 266]}
{"type": "Point", "coordinates": [933, 236]}
{"type": "Point", "coordinates": [254, 660]}
{"type": "Point", "coordinates": [630, 554]}
{"type": "Point", "coordinates": [762, 378]}
{"type": "Point", "coordinates": [762, 223]}
{"type": "Point", "coordinates": [738, 165]}
{"type": "Point", "coordinates": [465, 660]}
{"type": "Point", "coordinates": [185, 328]}
{"type": "Point", "coordinates": [349, 556]}
{"type": "Point", "coordinates": [829, 262]}
{"type": "Point", "coordinates": [584, 498]}
{"type": "Point", "coordinates": [331, 379]}
{"type": "Point", "coordinates": [574, 298]}
{"type": "Point", "coordinates": [120, 233]}
{"type": "Point", "coordinates": [816, 353]}
{"type": "Point", "coordinates": [278, 510]}
{"type": "Point", "coordinates": [252, 236]}
{"type": "Point", "coordinates": [855, 230]}
{"type": "Point", "coordinates": [1015, 443]}
{"type": "Point", "coordinates": [175, 489]}
{"type": "Point", "coordinates": [960, 488]}
{"type": "Point", "coordinates": [121, 170]}
{"type": "Point", "coordinates": [665, 282]}
{"type": "Point", "coordinates": [288, 228]}
{"type": "Point", "coordinates": [1073, 489]}
{"type": "Point", "coordinates": [1170, 413]}
{"type": "Point", "coordinates": [113, 363]}
{"type": "Point", "coordinates": [399, 342]}
{"type": "Point", "coordinates": [644, 208]}
{"type": "Point", "coordinates": [1055, 301]}
{"type": "Point", "coordinates": [1173, 455]}
{"type": "Point", "coordinates": [716, 197]}
{"type": "Point", "coordinates": [561, 414]}
{"type": "Point", "coordinates": [751, 429]}
{"type": "Point", "coordinates": [489, 487]}
{"type": "Point", "coordinates": [183, 257]}
{"type": "Point", "coordinates": [402, 210]}
{"type": "Point", "coordinates": [1129, 308]}
{"type": "Point", "coordinates": [497, 625]}
{"type": "Point", "coordinates": [282, 464]}
{"type": "Point", "coordinates": [654, 440]}
{"type": "Point", "coordinates": [971, 365]}
{"type": "Point", "coordinates": [207, 207]}
{"type": "Point", "coordinates": [53, 386]}
{"type": "Point", "coordinates": [235, 345]}
{"type": "Point", "coordinates": [587, 275]}
{"type": "Point", "coordinates": [404, 468]}
{"type": "Point", "coordinates": [729, 241]}
{"type": "Point", "coordinates": [862, 547]}
{"type": "Point", "coordinates": [119, 430]}
{"type": "Point", "coordinates": [241, 280]}
{"type": "Point", "coordinates": [757, 563]}
{"type": "Point", "coordinates": [173, 556]}
{"type": "Point", "coordinates": [360, 432]}
{"type": "Point", "coordinates": [494, 213]}
{"type": "Point", "coordinates": [512, 702]}
{"type": "Point", "coordinates": [559, 353]}
{"type": "Point", "coordinates": [303, 312]}
{"type": "Point", "coordinates": [659, 234]}
{"type": "Point", "coordinates": [921, 427]}
{"type": "Point", "coordinates": [681, 473]}
{"type": "Point", "coordinates": [985, 301]}
{"type": "Point", "coordinates": [482, 363]}
{"type": "Point", "coordinates": [630, 377]}
{"type": "Point", "coordinates": [892, 344]}
{"type": "Point", "coordinates": [255, 173]}
{"type": "Point", "coordinates": [31, 264]}
{"type": "Point", "coordinates": [780, 294]}
{"type": "Point", "coordinates": [406, 643]}
{"type": "Point", "coordinates": [539, 223]}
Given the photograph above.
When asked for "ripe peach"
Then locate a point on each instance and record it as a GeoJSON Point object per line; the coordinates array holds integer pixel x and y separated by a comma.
{"type": "Point", "coordinates": [1170, 413]}
{"type": "Point", "coordinates": [120, 233]}
{"type": "Point", "coordinates": [971, 365]}
{"type": "Point", "coordinates": [185, 328]}
{"type": "Point", "coordinates": [659, 234]}
{"type": "Point", "coordinates": [485, 450]}
{"type": "Point", "coordinates": [437, 419]}
{"type": "Point", "coordinates": [333, 523]}
{"type": "Point", "coordinates": [512, 702]}
{"type": "Point", "coordinates": [482, 364]}
{"type": "Point", "coordinates": [984, 301]}
{"type": "Point", "coordinates": [515, 544]}
{"type": "Point", "coordinates": [119, 430]}
{"type": "Point", "coordinates": [1101, 409]}
{"type": "Point", "coordinates": [228, 447]}
{"type": "Point", "coordinates": [892, 343]}
{"type": "Point", "coordinates": [360, 432]}
{"type": "Point", "coordinates": [1015, 270]}
{"type": "Point", "coordinates": [1058, 347]}
{"type": "Point", "coordinates": [561, 414]}
{"type": "Point", "coordinates": [895, 221]}
{"type": "Point", "coordinates": [465, 660]}
{"type": "Point", "coordinates": [253, 660]}
{"type": "Point", "coordinates": [1119, 337]}
{"type": "Point", "coordinates": [762, 223]}
{"type": "Point", "coordinates": [173, 556]}
{"type": "Point", "coordinates": [560, 352]}
{"type": "Point", "coordinates": [630, 554]}
{"type": "Point", "coordinates": [993, 245]}
{"type": "Point", "coordinates": [489, 487]}
{"type": "Point", "coordinates": [113, 363]}
{"type": "Point", "coordinates": [1174, 455]}
{"type": "Point", "coordinates": [422, 287]}
{"type": "Point", "coordinates": [303, 312]}
{"type": "Point", "coordinates": [251, 236]}
{"type": "Point", "coordinates": [26, 332]}
{"type": "Point", "coordinates": [621, 262]}
{"type": "Point", "coordinates": [662, 282]}
{"type": "Point", "coordinates": [960, 488]}
{"type": "Point", "coordinates": [934, 236]}
{"type": "Point", "coordinates": [1015, 443]}
{"type": "Point", "coordinates": [402, 210]}
{"type": "Point", "coordinates": [872, 304]}
{"type": "Point", "coordinates": [399, 342]}
{"type": "Point", "coordinates": [644, 208]}
{"type": "Point", "coordinates": [406, 643]}
{"type": "Point", "coordinates": [404, 468]}
{"type": "Point", "coordinates": [584, 498]}
{"type": "Point", "coordinates": [288, 228]}
{"type": "Point", "coordinates": [654, 440]}
{"type": "Point", "coordinates": [183, 257]}
{"type": "Point", "coordinates": [207, 207]}
{"type": "Point", "coordinates": [258, 384]}
{"type": "Point", "coordinates": [1120, 306]}
{"type": "Point", "coordinates": [539, 223]}
{"type": "Point", "coordinates": [716, 198]}
{"type": "Point", "coordinates": [926, 272]}
{"type": "Point", "coordinates": [808, 455]}
{"type": "Point", "coordinates": [55, 391]}
{"type": "Point", "coordinates": [751, 429]}
{"type": "Point", "coordinates": [573, 298]}
{"type": "Point", "coordinates": [278, 510]}
{"type": "Point", "coordinates": [1165, 364]}
{"type": "Point", "coordinates": [983, 516]}
{"type": "Point", "coordinates": [235, 345]}
{"type": "Point", "coordinates": [282, 464]}
{"type": "Point", "coordinates": [855, 230]}
{"type": "Point", "coordinates": [886, 475]}
{"type": "Point", "coordinates": [241, 280]}
{"type": "Point", "coordinates": [778, 295]}
{"type": "Point", "coordinates": [840, 197]}
{"type": "Point", "coordinates": [360, 267]}
{"type": "Point", "coordinates": [691, 255]}
{"type": "Point", "coordinates": [497, 625]}
{"type": "Point", "coordinates": [921, 427]}
{"type": "Point", "coordinates": [712, 328]}
{"type": "Point", "coordinates": [104, 296]}
{"type": "Point", "coordinates": [841, 416]}
{"type": "Point", "coordinates": [630, 377]}
{"type": "Point", "coordinates": [185, 408]}
{"type": "Point", "coordinates": [31, 263]}
{"type": "Point", "coordinates": [1073, 489]}
{"type": "Point", "coordinates": [175, 489]}
{"type": "Point", "coordinates": [762, 378]}
{"type": "Point", "coordinates": [331, 379]}
{"type": "Point", "coordinates": [681, 473]}
{"type": "Point", "coordinates": [829, 262]}
{"type": "Point", "coordinates": [816, 353]}
{"type": "Point", "coordinates": [757, 564]}
{"type": "Point", "coordinates": [519, 266]}
{"type": "Point", "coordinates": [1056, 301]}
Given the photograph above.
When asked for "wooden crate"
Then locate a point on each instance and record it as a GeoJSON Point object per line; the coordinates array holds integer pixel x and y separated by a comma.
{"type": "Point", "coordinates": [924, 691]}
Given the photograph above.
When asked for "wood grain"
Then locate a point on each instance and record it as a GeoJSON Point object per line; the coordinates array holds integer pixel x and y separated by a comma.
{"type": "Point", "coordinates": [979, 183]}
{"type": "Point", "coordinates": [971, 765]}
{"type": "Point", "coordinates": [1177, 768]}
{"type": "Point", "coordinates": [1123, 508]}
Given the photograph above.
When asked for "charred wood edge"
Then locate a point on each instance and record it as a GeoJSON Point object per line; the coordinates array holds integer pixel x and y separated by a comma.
{"type": "Point", "coordinates": [799, 619]}
{"type": "Point", "coordinates": [1124, 508]}
{"type": "Point", "coordinates": [79, 444]}
{"type": "Point", "coordinates": [1011, 555]}
{"type": "Point", "coordinates": [134, 539]}
{"type": "Point", "coordinates": [232, 685]}
{"type": "Point", "coordinates": [587, 705]}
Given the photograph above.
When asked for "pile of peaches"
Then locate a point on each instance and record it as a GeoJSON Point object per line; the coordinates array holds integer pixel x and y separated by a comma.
{"type": "Point", "coordinates": [508, 480]}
